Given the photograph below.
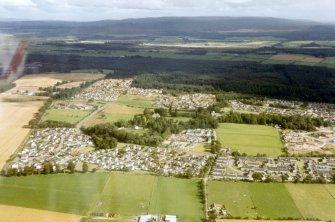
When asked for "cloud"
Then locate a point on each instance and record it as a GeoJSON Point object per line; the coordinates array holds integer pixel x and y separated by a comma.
{"type": "Point", "coordinates": [118, 9]}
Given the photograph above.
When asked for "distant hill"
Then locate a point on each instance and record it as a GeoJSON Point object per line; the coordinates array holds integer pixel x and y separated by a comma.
{"type": "Point", "coordinates": [211, 27]}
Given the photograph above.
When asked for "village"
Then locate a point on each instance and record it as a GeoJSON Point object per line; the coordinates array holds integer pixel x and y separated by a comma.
{"type": "Point", "coordinates": [280, 169]}
{"type": "Point", "coordinates": [322, 140]}
{"type": "Point", "coordinates": [60, 146]}
{"type": "Point", "coordinates": [187, 101]}
{"type": "Point", "coordinates": [283, 107]}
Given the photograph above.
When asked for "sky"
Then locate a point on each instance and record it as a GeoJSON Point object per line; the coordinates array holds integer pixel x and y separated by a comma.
{"type": "Point", "coordinates": [92, 10]}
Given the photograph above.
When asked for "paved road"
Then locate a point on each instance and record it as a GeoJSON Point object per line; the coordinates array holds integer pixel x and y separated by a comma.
{"type": "Point", "coordinates": [81, 123]}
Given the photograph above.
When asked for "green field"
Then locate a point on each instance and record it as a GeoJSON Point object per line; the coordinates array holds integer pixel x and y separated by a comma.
{"type": "Point", "coordinates": [113, 113]}
{"type": "Point", "coordinates": [274, 200]}
{"type": "Point", "coordinates": [66, 115]}
{"type": "Point", "coordinates": [135, 101]}
{"type": "Point", "coordinates": [124, 194]}
{"type": "Point", "coordinates": [250, 139]}
{"type": "Point", "coordinates": [314, 200]}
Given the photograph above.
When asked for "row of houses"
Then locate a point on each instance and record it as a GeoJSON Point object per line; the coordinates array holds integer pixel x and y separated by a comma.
{"type": "Point", "coordinates": [292, 169]}
{"type": "Point", "coordinates": [72, 106]}
{"type": "Point", "coordinates": [283, 107]}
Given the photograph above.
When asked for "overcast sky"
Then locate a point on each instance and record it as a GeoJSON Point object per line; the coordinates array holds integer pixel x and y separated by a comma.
{"type": "Point", "coordinates": [88, 10]}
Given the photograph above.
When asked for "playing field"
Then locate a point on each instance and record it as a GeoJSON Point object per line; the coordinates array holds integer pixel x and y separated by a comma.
{"type": "Point", "coordinates": [135, 101]}
{"type": "Point", "coordinates": [124, 194]}
{"type": "Point", "coordinates": [250, 139]}
{"type": "Point", "coordinates": [114, 112]}
{"type": "Point", "coordinates": [13, 116]}
{"type": "Point", "coordinates": [66, 115]}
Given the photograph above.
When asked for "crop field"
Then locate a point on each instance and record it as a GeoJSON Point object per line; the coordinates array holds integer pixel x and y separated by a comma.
{"type": "Point", "coordinates": [296, 58]}
{"type": "Point", "coordinates": [250, 139]}
{"type": "Point", "coordinates": [112, 113]}
{"type": "Point", "coordinates": [121, 193]}
{"type": "Point", "coordinates": [33, 82]}
{"type": "Point", "coordinates": [13, 117]}
{"type": "Point", "coordinates": [314, 200]}
{"type": "Point", "coordinates": [135, 101]}
{"type": "Point", "coordinates": [66, 115]}
{"type": "Point", "coordinates": [10, 214]}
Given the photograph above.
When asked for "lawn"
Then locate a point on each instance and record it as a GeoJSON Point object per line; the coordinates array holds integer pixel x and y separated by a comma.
{"type": "Point", "coordinates": [314, 200]}
{"type": "Point", "coordinates": [125, 194]}
{"type": "Point", "coordinates": [113, 113]}
{"type": "Point", "coordinates": [253, 199]}
{"type": "Point", "coordinates": [135, 101]}
{"type": "Point", "coordinates": [67, 115]}
{"type": "Point", "coordinates": [250, 139]}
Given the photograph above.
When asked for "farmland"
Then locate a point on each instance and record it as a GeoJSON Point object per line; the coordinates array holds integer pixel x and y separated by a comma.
{"type": "Point", "coordinates": [112, 113]}
{"type": "Point", "coordinates": [10, 214]}
{"type": "Point", "coordinates": [135, 101]}
{"type": "Point", "coordinates": [274, 200]}
{"type": "Point", "coordinates": [250, 139]}
{"type": "Point", "coordinates": [14, 116]}
{"type": "Point", "coordinates": [123, 194]}
{"type": "Point", "coordinates": [66, 115]}
{"type": "Point", "coordinates": [320, 199]}
{"type": "Point", "coordinates": [33, 82]}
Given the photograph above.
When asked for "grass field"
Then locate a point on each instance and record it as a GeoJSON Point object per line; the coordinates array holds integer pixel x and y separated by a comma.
{"type": "Point", "coordinates": [315, 200]}
{"type": "Point", "coordinates": [114, 112]}
{"type": "Point", "coordinates": [250, 139]}
{"type": "Point", "coordinates": [253, 199]}
{"type": "Point", "coordinates": [66, 115]}
{"type": "Point", "coordinates": [275, 200]}
{"type": "Point", "coordinates": [124, 194]}
{"type": "Point", "coordinates": [135, 101]}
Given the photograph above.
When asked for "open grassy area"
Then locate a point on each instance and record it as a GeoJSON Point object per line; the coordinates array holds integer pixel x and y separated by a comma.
{"type": "Point", "coordinates": [135, 101]}
{"type": "Point", "coordinates": [66, 115]}
{"type": "Point", "coordinates": [253, 199]}
{"type": "Point", "coordinates": [314, 200]}
{"type": "Point", "coordinates": [125, 194]}
{"type": "Point", "coordinates": [250, 139]}
{"type": "Point", "coordinates": [113, 113]}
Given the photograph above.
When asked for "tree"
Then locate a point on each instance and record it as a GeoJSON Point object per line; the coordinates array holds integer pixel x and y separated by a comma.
{"type": "Point", "coordinates": [334, 178]}
{"type": "Point", "coordinates": [71, 166]}
{"type": "Point", "coordinates": [85, 167]}
{"type": "Point", "coordinates": [257, 176]}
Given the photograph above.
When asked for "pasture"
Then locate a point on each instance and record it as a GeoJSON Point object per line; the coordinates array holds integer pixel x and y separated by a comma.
{"type": "Point", "coordinates": [253, 199]}
{"type": "Point", "coordinates": [13, 117]}
{"type": "Point", "coordinates": [274, 200]}
{"type": "Point", "coordinates": [250, 139]}
{"type": "Point", "coordinates": [135, 101]}
{"type": "Point", "coordinates": [66, 115]}
{"type": "Point", "coordinates": [113, 113]}
{"type": "Point", "coordinates": [125, 194]}
{"type": "Point", "coordinates": [296, 58]}
{"type": "Point", "coordinates": [314, 200]}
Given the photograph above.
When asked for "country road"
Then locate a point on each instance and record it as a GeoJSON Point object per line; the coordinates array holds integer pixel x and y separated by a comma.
{"type": "Point", "coordinates": [81, 123]}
